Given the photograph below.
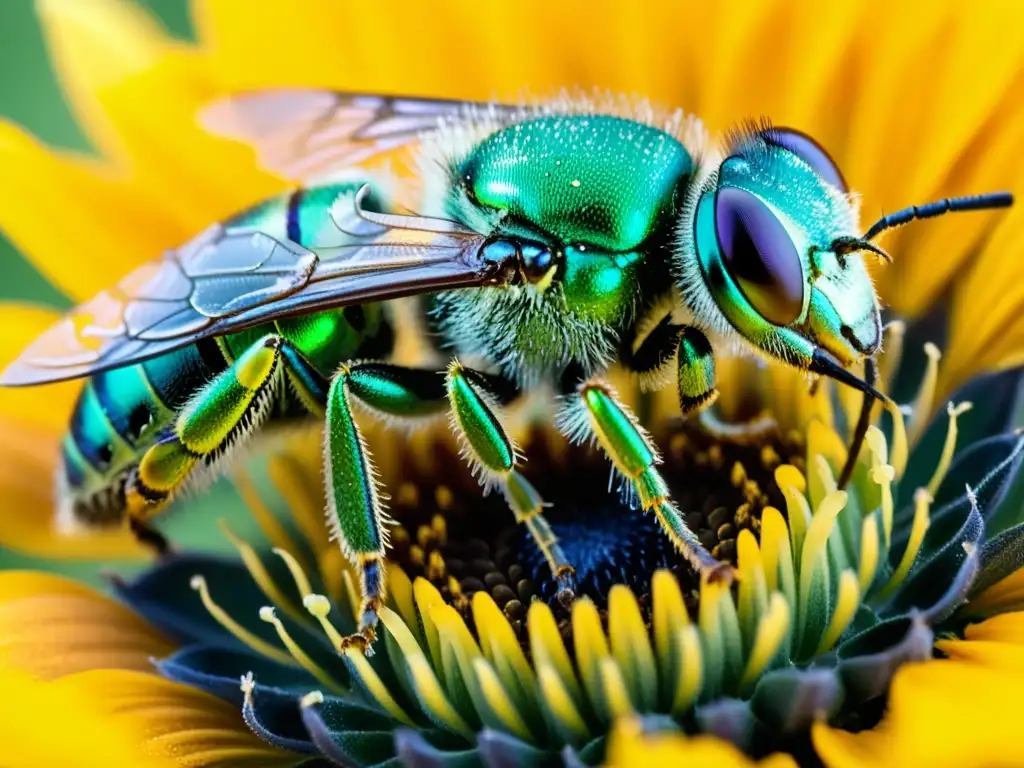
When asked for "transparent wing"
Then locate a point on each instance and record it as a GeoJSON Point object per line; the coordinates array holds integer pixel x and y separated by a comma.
{"type": "Point", "coordinates": [228, 279]}
{"type": "Point", "coordinates": [304, 134]}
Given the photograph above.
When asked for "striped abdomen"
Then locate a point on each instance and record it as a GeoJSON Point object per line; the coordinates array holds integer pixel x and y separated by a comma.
{"type": "Point", "coordinates": [121, 413]}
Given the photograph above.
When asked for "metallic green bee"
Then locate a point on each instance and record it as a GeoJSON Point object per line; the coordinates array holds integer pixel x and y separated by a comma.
{"type": "Point", "coordinates": [554, 241]}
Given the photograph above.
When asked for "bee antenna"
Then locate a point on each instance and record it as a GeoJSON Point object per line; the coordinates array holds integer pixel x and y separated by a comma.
{"type": "Point", "coordinates": [938, 208]}
{"type": "Point", "coordinates": [843, 245]}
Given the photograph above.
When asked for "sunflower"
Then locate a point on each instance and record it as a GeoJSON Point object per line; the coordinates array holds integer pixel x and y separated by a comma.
{"type": "Point", "coordinates": [872, 624]}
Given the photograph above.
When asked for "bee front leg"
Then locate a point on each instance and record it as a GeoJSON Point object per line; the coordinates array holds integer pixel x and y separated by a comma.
{"type": "Point", "coordinates": [492, 453]}
{"type": "Point", "coordinates": [596, 412]}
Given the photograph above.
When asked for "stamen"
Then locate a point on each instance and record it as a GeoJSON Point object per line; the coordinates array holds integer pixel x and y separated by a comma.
{"type": "Point", "coordinates": [883, 474]}
{"type": "Point", "coordinates": [258, 644]}
{"type": "Point", "coordinates": [922, 519]}
{"type": "Point", "coordinates": [777, 554]}
{"type": "Point", "coordinates": [772, 630]}
{"type": "Point", "coordinates": [925, 400]}
{"type": "Point", "coordinates": [298, 574]}
{"type": "Point", "coordinates": [320, 607]}
{"type": "Point", "coordinates": [847, 602]}
{"type": "Point", "coordinates": [267, 614]}
{"type": "Point", "coordinates": [900, 449]}
{"type": "Point", "coordinates": [259, 572]}
{"type": "Point", "coordinates": [892, 353]}
{"type": "Point", "coordinates": [268, 522]}
{"type": "Point", "coordinates": [753, 591]}
{"type": "Point", "coordinates": [949, 447]}
{"type": "Point", "coordinates": [869, 552]}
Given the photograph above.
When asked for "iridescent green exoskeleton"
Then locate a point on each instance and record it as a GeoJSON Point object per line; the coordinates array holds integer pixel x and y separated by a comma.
{"type": "Point", "coordinates": [551, 243]}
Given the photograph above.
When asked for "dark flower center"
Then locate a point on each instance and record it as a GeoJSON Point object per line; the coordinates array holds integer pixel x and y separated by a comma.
{"type": "Point", "coordinates": [464, 543]}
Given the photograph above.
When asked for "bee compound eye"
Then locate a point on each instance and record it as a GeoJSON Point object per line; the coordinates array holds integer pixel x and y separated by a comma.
{"type": "Point", "coordinates": [759, 254]}
{"type": "Point", "coordinates": [808, 150]}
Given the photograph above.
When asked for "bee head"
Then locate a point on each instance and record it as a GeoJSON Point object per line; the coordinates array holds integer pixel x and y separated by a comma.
{"type": "Point", "coordinates": [774, 231]}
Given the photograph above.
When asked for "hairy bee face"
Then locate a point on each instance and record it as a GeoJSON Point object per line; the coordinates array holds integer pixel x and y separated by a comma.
{"type": "Point", "coordinates": [771, 228]}
{"type": "Point", "coordinates": [583, 201]}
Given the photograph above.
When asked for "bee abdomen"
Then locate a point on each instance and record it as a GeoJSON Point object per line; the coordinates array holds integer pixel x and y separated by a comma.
{"type": "Point", "coordinates": [118, 416]}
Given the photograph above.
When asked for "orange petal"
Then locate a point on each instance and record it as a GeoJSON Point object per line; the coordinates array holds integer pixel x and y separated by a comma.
{"type": "Point", "coordinates": [137, 92]}
{"type": "Point", "coordinates": [54, 627]}
{"type": "Point", "coordinates": [79, 224]}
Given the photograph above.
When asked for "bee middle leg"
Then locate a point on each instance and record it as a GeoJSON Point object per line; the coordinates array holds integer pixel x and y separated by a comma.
{"type": "Point", "coordinates": [596, 411]}
{"type": "Point", "coordinates": [492, 453]}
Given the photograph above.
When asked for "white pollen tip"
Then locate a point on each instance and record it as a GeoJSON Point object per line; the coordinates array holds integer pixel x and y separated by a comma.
{"type": "Point", "coordinates": [267, 613]}
{"type": "Point", "coordinates": [197, 582]}
{"type": "Point", "coordinates": [311, 699]}
{"type": "Point", "coordinates": [248, 682]}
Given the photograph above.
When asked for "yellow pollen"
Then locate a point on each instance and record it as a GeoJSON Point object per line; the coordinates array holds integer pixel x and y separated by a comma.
{"type": "Point", "coordinates": [738, 475]}
{"type": "Point", "coordinates": [443, 497]}
{"type": "Point", "coordinates": [258, 644]}
{"type": "Point", "coordinates": [416, 555]}
{"type": "Point", "coordinates": [440, 526]}
{"type": "Point", "coordinates": [770, 458]}
{"type": "Point", "coordinates": [436, 568]}
{"type": "Point", "coordinates": [267, 614]}
{"type": "Point", "coordinates": [949, 447]}
{"type": "Point", "coordinates": [408, 495]}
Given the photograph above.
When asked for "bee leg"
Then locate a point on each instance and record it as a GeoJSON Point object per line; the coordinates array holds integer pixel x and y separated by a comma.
{"type": "Point", "coordinates": [695, 371]}
{"type": "Point", "coordinates": [597, 412]}
{"type": "Point", "coordinates": [224, 412]}
{"type": "Point", "coordinates": [491, 452]}
{"type": "Point", "coordinates": [355, 510]}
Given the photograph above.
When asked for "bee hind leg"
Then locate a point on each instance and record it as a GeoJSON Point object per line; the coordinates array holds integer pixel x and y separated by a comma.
{"type": "Point", "coordinates": [223, 413]}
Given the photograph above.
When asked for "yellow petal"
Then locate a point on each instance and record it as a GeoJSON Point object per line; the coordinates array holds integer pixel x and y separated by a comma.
{"type": "Point", "coordinates": [941, 713]}
{"type": "Point", "coordinates": [629, 747]}
{"type": "Point", "coordinates": [136, 92]}
{"type": "Point", "coordinates": [53, 627]}
{"type": "Point", "coordinates": [79, 224]}
{"type": "Point", "coordinates": [48, 724]}
{"type": "Point", "coordinates": [987, 324]}
{"type": "Point", "coordinates": [162, 723]}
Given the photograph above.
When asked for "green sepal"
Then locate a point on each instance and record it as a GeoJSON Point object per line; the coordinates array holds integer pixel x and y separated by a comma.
{"type": "Point", "coordinates": [728, 719]}
{"type": "Point", "coordinates": [1000, 557]}
{"type": "Point", "coordinates": [868, 661]}
{"type": "Point", "coordinates": [790, 700]}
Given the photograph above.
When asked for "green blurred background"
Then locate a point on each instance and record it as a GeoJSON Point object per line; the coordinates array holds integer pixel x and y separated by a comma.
{"type": "Point", "coordinates": [30, 96]}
